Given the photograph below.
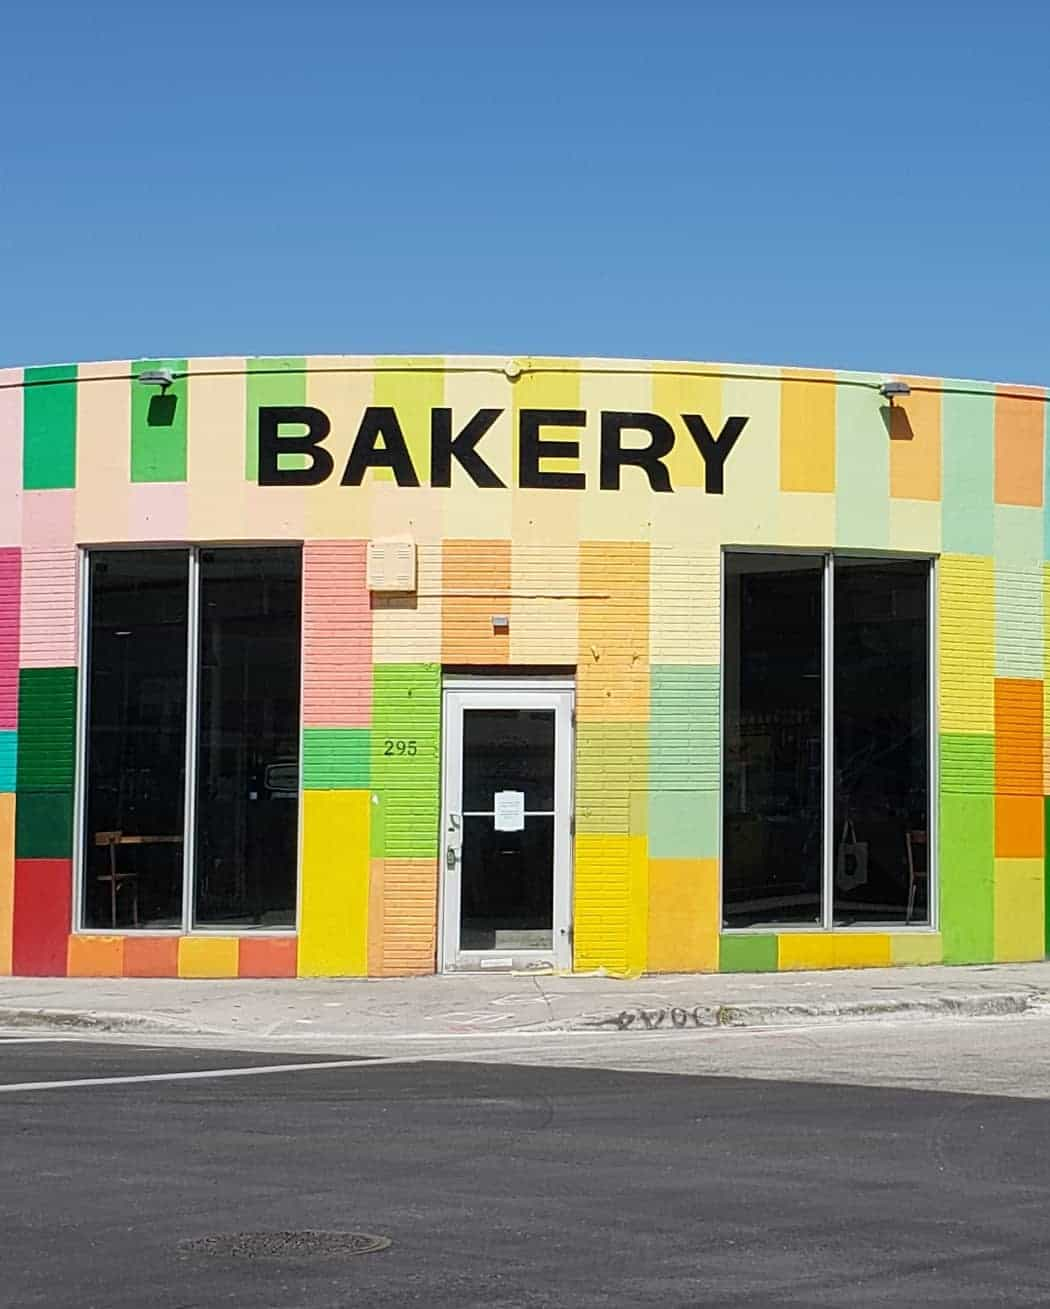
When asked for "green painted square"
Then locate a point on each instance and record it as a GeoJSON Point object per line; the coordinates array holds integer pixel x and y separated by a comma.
{"type": "Point", "coordinates": [49, 439]}
{"type": "Point", "coordinates": [405, 824]}
{"type": "Point", "coordinates": [46, 728]}
{"type": "Point", "coordinates": [158, 425]}
{"type": "Point", "coordinates": [966, 873]}
{"type": "Point", "coordinates": [968, 479]}
{"type": "Point", "coordinates": [684, 824]}
{"type": "Point", "coordinates": [747, 954]}
{"type": "Point", "coordinates": [270, 382]}
{"type": "Point", "coordinates": [406, 727]}
{"type": "Point", "coordinates": [967, 764]}
{"type": "Point", "coordinates": [44, 824]}
{"type": "Point", "coordinates": [611, 765]}
{"type": "Point", "coordinates": [685, 726]}
{"type": "Point", "coordinates": [336, 758]}
{"type": "Point", "coordinates": [862, 467]}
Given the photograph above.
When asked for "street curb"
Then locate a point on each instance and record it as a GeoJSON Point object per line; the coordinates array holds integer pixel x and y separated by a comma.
{"type": "Point", "coordinates": [631, 1019]}
{"type": "Point", "coordinates": [691, 1018]}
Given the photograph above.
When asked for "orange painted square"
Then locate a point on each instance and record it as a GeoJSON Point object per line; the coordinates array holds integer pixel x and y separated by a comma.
{"type": "Point", "coordinates": [475, 581]}
{"type": "Point", "coordinates": [151, 956]}
{"type": "Point", "coordinates": [613, 662]}
{"type": "Point", "coordinates": [807, 431]}
{"type": "Point", "coordinates": [267, 956]}
{"type": "Point", "coordinates": [915, 443]}
{"type": "Point", "coordinates": [95, 956]}
{"type": "Point", "coordinates": [1019, 826]}
{"type": "Point", "coordinates": [1018, 736]}
{"type": "Point", "coordinates": [1019, 424]}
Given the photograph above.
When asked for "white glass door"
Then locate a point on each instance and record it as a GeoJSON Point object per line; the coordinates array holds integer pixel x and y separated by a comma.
{"type": "Point", "coordinates": [507, 824]}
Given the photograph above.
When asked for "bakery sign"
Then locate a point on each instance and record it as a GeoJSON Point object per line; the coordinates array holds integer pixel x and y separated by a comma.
{"type": "Point", "coordinates": [635, 440]}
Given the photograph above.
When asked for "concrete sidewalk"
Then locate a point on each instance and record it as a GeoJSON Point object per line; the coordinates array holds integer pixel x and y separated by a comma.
{"type": "Point", "coordinates": [337, 1012]}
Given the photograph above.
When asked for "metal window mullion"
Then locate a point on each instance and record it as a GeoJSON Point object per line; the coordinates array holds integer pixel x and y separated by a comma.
{"type": "Point", "coordinates": [84, 571]}
{"type": "Point", "coordinates": [827, 907]}
{"type": "Point", "coordinates": [933, 781]}
{"type": "Point", "coordinates": [189, 807]}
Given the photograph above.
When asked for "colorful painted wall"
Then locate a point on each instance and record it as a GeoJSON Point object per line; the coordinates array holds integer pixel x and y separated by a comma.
{"type": "Point", "coordinates": [624, 585]}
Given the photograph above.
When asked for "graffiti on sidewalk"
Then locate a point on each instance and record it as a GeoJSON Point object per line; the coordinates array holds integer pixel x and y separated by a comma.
{"type": "Point", "coordinates": [649, 1020]}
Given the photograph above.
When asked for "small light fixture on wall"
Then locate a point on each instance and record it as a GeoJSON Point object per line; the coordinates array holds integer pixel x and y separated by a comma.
{"type": "Point", "coordinates": [162, 377]}
{"type": "Point", "coordinates": [500, 624]}
{"type": "Point", "coordinates": [890, 389]}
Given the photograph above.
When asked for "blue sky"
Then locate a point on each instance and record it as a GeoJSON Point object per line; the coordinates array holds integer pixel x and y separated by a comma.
{"type": "Point", "coordinates": [826, 184]}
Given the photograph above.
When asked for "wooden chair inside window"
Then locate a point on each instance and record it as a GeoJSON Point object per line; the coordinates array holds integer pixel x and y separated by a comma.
{"type": "Point", "coordinates": [918, 867]}
{"type": "Point", "coordinates": [118, 878]}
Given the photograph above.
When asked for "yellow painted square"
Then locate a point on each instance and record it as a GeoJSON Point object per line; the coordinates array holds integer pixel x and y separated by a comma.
{"type": "Point", "coordinates": [333, 932]}
{"type": "Point", "coordinates": [208, 956]}
{"type": "Point", "coordinates": [796, 950]}
{"type": "Point", "coordinates": [966, 644]}
{"type": "Point", "coordinates": [862, 950]}
{"type": "Point", "coordinates": [1019, 910]}
{"type": "Point", "coordinates": [611, 903]}
{"type": "Point", "coordinates": [917, 948]}
{"type": "Point", "coordinates": [683, 916]}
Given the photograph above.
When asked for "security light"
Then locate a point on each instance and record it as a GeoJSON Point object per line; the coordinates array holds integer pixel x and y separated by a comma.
{"type": "Point", "coordinates": [162, 377]}
{"type": "Point", "coordinates": [890, 389]}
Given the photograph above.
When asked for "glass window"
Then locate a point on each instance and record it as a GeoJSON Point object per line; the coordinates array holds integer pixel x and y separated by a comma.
{"type": "Point", "coordinates": [778, 714]}
{"type": "Point", "coordinates": [243, 705]}
{"type": "Point", "coordinates": [247, 812]}
{"type": "Point", "coordinates": [773, 711]}
{"type": "Point", "coordinates": [136, 739]}
{"type": "Point", "coordinates": [882, 744]}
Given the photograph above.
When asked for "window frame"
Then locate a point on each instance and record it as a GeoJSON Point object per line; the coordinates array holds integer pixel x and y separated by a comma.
{"type": "Point", "coordinates": [827, 923]}
{"type": "Point", "coordinates": [187, 926]}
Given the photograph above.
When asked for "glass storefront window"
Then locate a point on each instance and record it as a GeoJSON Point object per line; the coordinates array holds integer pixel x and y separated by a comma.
{"type": "Point", "coordinates": [136, 739]}
{"type": "Point", "coordinates": [247, 807]}
{"type": "Point", "coordinates": [826, 658]}
{"type": "Point", "coordinates": [234, 863]}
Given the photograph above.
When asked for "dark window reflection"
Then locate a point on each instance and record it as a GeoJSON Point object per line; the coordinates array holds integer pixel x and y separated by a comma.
{"type": "Point", "coordinates": [507, 893]}
{"type": "Point", "coordinates": [136, 739]}
{"type": "Point", "coordinates": [773, 772]}
{"type": "Point", "coordinates": [881, 715]}
{"type": "Point", "coordinates": [508, 750]}
{"type": "Point", "coordinates": [248, 752]}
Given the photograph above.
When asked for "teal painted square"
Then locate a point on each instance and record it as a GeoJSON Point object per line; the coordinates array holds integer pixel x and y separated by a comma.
{"type": "Point", "coordinates": [968, 473]}
{"type": "Point", "coordinates": [862, 467]}
{"type": "Point", "coordinates": [684, 824]}
{"type": "Point", "coordinates": [336, 758]}
{"type": "Point", "coordinates": [685, 727]}
{"type": "Point", "coordinates": [747, 954]}
{"type": "Point", "coordinates": [1018, 537]}
{"type": "Point", "coordinates": [8, 760]}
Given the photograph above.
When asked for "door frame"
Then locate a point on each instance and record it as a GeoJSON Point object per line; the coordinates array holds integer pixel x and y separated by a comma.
{"type": "Point", "coordinates": [511, 691]}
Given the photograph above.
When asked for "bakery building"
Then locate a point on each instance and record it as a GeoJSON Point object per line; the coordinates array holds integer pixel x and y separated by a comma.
{"type": "Point", "coordinates": [344, 666]}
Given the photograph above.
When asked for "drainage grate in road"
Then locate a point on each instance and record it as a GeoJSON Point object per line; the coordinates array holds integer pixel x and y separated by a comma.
{"type": "Point", "coordinates": [286, 1245]}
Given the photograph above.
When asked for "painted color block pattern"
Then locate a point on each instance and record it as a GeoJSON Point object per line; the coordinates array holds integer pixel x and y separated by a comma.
{"type": "Point", "coordinates": [624, 588]}
{"type": "Point", "coordinates": [159, 423]}
{"type": "Point", "coordinates": [49, 431]}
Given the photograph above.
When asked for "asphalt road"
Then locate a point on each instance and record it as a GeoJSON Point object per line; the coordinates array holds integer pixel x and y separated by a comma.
{"type": "Point", "coordinates": [505, 1186]}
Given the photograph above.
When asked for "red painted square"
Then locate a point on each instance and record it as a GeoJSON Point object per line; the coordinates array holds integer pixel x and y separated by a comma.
{"type": "Point", "coordinates": [42, 913]}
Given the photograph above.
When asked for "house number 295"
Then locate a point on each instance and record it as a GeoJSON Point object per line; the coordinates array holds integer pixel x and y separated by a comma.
{"type": "Point", "coordinates": [399, 747]}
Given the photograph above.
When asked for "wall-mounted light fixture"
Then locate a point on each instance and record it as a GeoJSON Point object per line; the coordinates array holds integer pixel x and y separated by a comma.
{"type": "Point", "coordinates": [162, 377]}
{"type": "Point", "coordinates": [500, 624]}
{"type": "Point", "coordinates": [890, 389]}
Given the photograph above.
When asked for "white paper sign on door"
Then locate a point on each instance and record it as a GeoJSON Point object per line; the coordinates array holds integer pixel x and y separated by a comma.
{"type": "Point", "coordinates": [510, 810]}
